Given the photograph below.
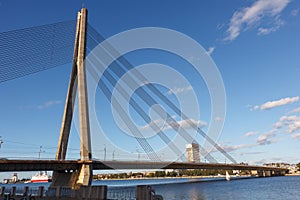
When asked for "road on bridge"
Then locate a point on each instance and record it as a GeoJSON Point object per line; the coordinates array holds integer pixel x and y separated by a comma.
{"type": "Point", "coordinates": [73, 165]}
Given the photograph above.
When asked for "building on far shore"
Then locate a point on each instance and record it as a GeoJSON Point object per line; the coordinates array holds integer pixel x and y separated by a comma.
{"type": "Point", "coordinates": [192, 152]}
{"type": "Point", "coordinates": [293, 168]}
{"type": "Point", "coordinates": [14, 178]}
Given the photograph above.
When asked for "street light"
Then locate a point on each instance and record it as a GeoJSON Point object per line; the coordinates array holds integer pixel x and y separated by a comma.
{"type": "Point", "coordinates": [40, 151]}
{"type": "Point", "coordinates": [104, 152]}
{"type": "Point", "coordinates": [138, 152]}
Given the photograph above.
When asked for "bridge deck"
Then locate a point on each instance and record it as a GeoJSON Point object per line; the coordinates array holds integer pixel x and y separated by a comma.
{"type": "Point", "coordinates": [57, 165]}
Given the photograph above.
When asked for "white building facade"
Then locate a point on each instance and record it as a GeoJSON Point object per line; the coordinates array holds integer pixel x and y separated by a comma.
{"type": "Point", "coordinates": [192, 152]}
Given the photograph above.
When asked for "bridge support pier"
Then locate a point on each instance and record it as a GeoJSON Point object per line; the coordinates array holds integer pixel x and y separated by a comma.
{"type": "Point", "coordinates": [264, 173]}
{"type": "Point", "coordinates": [267, 173]}
{"type": "Point", "coordinates": [278, 173]}
{"type": "Point", "coordinates": [85, 175]}
{"type": "Point", "coordinates": [82, 177]}
{"type": "Point", "coordinates": [65, 178]}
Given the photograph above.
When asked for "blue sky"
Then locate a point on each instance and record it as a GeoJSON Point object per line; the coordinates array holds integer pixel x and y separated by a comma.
{"type": "Point", "coordinates": [254, 44]}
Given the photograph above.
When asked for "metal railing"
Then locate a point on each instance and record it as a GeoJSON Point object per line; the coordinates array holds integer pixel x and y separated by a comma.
{"type": "Point", "coordinates": [121, 193]}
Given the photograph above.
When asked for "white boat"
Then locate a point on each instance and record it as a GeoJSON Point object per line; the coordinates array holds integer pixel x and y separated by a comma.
{"type": "Point", "coordinates": [41, 178]}
{"type": "Point", "coordinates": [227, 176]}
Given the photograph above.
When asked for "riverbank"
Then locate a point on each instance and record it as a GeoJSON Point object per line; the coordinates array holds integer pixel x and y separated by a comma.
{"type": "Point", "coordinates": [177, 177]}
{"type": "Point", "coordinates": [292, 174]}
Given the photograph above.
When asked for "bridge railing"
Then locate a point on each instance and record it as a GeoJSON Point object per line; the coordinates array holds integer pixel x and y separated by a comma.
{"type": "Point", "coordinates": [126, 193]}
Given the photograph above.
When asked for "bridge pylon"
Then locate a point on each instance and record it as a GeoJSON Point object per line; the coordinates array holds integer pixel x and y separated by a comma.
{"type": "Point", "coordinates": [82, 177]}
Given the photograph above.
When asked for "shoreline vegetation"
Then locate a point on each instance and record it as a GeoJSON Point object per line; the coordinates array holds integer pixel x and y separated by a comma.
{"type": "Point", "coordinates": [188, 177]}
{"type": "Point", "coordinates": [140, 177]}
{"type": "Point", "coordinates": [178, 177]}
{"type": "Point", "coordinates": [195, 173]}
{"type": "Point", "coordinates": [170, 174]}
{"type": "Point", "coordinates": [293, 174]}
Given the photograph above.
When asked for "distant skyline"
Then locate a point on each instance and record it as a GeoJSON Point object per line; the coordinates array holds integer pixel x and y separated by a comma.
{"type": "Point", "coordinates": [254, 44]}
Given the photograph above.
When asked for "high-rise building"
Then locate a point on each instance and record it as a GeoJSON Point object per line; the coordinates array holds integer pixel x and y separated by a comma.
{"type": "Point", "coordinates": [192, 152]}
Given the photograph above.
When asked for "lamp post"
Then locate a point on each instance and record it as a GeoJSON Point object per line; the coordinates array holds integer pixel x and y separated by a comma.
{"type": "Point", "coordinates": [40, 152]}
{"type": "Point", "coordinates": [104, 152]}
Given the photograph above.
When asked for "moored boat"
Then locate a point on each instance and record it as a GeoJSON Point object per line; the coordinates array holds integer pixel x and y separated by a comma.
{"type": "Point", "coordinates": [41, 178]}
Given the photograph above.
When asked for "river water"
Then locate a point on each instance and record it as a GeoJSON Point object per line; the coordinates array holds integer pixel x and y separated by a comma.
{"type": "Point", "coordinates": [281, 188]}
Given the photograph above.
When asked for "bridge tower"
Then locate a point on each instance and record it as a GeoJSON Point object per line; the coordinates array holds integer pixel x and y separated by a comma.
{"type": "Point", "coordinates": [82, 177]}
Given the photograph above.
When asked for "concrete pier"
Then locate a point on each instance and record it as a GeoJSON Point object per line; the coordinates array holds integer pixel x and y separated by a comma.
{"type": "Point", "coordinates": [268, 173]}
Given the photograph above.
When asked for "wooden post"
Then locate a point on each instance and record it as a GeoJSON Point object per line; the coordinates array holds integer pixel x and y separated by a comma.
{"type": "Point", "coordinates": [40, 191]}
{"type": "Point", "coordinates": [13, 191]}
{"type": "Point", "coordinates": [2, 191]}
{"type": "Point", "coordinates": [25, 192]}
{"type": "Point", "coordinates": [99, 192]}
{"type": "Point", "coordinates": [143, 192]}
{"type": "Point", "coordinates": [57, 192]}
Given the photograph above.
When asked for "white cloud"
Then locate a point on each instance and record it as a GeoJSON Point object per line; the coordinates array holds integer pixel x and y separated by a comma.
{"type": "Point", "coordinates": [257, 162]}
{"type": "Point", "coordinates": [292, 123]}
{"type": "Point", "coordinates": [210, 50]}
{"type": "Point", "coordinates": [265, 139]}
{"type": "Point", "coordinates": [267, 30]}
{"type": "Point", "coordinates": [185, 124]}
{"type": "Point", "coordinates": [251, 153]}
{"type": "Point", "coordinates": [272, 104]}
{"type": "Point", "coordinates": [278, 125]}
{"type": "Point", "coordinates": [250, 133]}
{"type": "Point", "coordinates": [295, 12]}
{"type": "Point", "coordinates": [269, 160]}
{"type": "Point", "coordinates": [295, 110]}
{"type": "Point", "coordinates": [154, 124]}
{"type": "Point", "coordinates": [296, 136]}
{"type": "Point", "coordinates": [255, 107]}
{"type": "Point", "coordinates": [179, 90]}
{"type": "Point", "coordinates": [49, 104]}
{"type": "Point", "coordinates": [219, 119]}
{"type": "Point", "coordinates": [248, 17]}
{"type": "Point", "coordinates": [171, 124]}
{"type": "Point", "coordinates": [237, 147]}
{"type": "Point", "coordinates": [281, 102]}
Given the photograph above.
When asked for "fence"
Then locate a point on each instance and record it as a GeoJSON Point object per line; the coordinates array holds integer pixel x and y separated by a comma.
{"type": "Point", "coordinates": [141, 192]}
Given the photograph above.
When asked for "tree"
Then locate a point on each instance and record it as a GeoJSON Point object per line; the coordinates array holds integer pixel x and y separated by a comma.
{"type": "Point", "coordinates": [160, 173]}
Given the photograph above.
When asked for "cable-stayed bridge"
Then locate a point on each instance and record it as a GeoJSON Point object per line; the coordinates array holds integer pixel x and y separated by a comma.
{"type": "Point", "coordinates": [74, 165]}
{"type": "Point", "coordinates": [32, 50]}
